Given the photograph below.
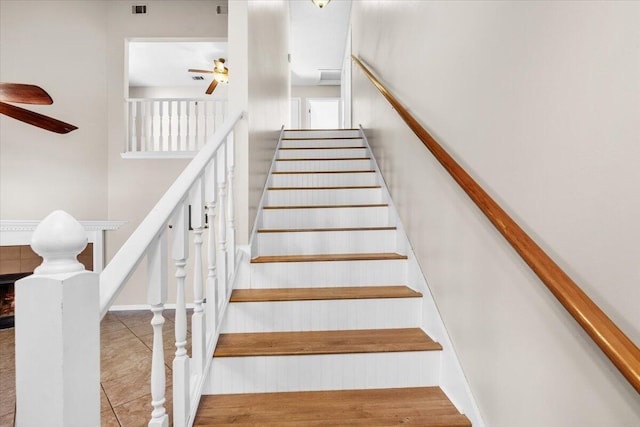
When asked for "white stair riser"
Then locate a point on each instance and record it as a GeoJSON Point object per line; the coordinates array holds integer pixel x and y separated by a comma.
{"type": "Point", "coordinates": [327, 273]}
{"type": "Point", "coordinates": [293, 143]}
{"type": "Point", "coordinates": [327, 242]}
{"type": "Point", "coordinates": [322, 133]}
{"type": "Point", "coordinates": [374, 216]}
{"type": "Point", "coordinates": [322, 153]}
{"type": "Point", "coordinates": [323, 179]}
{"type": "Point", "coordinates": [262, 374]}
{"type": "Point", "coordinates": [323, 197]}
{"type": "Point", "coordinates": [324, 315]}
{"type": "Point", "coordinates": [321, 165]}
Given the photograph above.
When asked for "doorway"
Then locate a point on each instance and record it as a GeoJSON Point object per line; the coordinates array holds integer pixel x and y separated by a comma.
{"type": "Point", "coordinates": [323, 113]}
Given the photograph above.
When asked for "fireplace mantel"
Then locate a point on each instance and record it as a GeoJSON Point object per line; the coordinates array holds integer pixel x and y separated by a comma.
{"type": "Point", "coordinates": [18, 232]}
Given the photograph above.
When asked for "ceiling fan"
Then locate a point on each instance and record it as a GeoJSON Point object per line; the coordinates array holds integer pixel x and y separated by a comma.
{"type": "Point", "coordinates": [30, 94]}
{"type": "Point", "coordinates": [220, 74]}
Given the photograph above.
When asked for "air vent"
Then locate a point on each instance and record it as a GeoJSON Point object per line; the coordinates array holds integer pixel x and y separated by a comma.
{"type": "Point", "coordinates": [330, 76]}
{"type": "Point", "coordinates": [139, 9]}
{"type": "Point", "coordinates": [197, 78]}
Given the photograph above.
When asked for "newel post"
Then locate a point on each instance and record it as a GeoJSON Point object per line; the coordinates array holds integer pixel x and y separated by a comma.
{"type": "Point", "coordinates": [58, 332]}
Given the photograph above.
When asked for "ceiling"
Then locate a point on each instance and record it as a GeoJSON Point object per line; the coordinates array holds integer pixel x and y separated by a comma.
{"type": "Point", "coordinates": [162, 64]}
{"type": "Point", "coordinates": [318, 39]}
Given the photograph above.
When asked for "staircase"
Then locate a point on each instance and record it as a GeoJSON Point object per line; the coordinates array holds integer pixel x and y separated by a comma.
{"type": "Point", "coordinates": [329, 329]}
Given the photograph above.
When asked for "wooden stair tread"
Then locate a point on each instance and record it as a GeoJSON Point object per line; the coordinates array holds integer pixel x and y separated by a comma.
{"type": "Point", "coordinates": [306, 230]}
{"type": "Point", "coordinates": [324, 342]}
{"type": "Point", "coordinates": [343, 187]}
{"type": "Point", "coordinates": [319, 294]}
{"type": "Point", "coordinates": [321, 172]}
{"type": "Point", "coordinates": [321, 137]}
{"type": "Point", "coordinates": [382, 256]}
{"type": "Point", "coordinates": [423, 406]}
{"type": "Point", "coordinates": [374, 205]}
{"type": "Point", "coordinates": [356, 147]}
{"type": "Point", "coordinates": [323, 159]}
{"type": "Point", "coordinates": [320, 130]}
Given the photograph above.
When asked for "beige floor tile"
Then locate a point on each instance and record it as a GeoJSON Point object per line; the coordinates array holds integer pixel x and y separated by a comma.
{"type": "Point", "coordinates": [6, 420]}
{"type": "Point", "coordinates": [125, 343]}
{"type": "Point", "coordinates": [104, 401]}
{"type": "Point", "coordinates": [7, 393]}
{"type": "Point", "coordinates": [125, 365]}
{"type": "Point", "coordinates": [138, 412]}
{"type": "Point", "coordinates": [108, 419]}
{"type": "Point", "coordinates": [135, 384]}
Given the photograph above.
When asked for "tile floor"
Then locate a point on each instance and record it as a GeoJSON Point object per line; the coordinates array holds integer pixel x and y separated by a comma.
{"type": "Point", "coordinates": [126, 342]}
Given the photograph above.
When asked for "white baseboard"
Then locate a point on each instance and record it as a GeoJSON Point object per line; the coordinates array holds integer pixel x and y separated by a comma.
{"type": "Point", "coordinates": [134, 307]}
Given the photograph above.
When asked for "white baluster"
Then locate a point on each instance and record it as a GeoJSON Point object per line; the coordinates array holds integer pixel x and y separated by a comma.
{"type": "Point", "coordinates": [179, 136]}
{"type": "Point", "coordinates": [170, 126]}
{"type": "Point", "coordinates": [231, 239]}
{"type": "Point", "coordinates": [57, 336]}
{"type": "Point", "coordinates": [143, 125]}
{"type": "Point", "coordinates": [222, 226]}
{"type": "Point", "coordinates": [152, 130]}
{"type": "Point", "coordinates": [198, 330]}
{"type": "Point", "coordinates": [161, 132]}
{"type": "Point", "coordinates": [206, 120]}
{"type": "Point", "coordinates": [156, 298]}
{"type": "Point", "coordinates": [213, 299]}
{"type": "Point", "coordinates": [188, 134]}
{"type": "Point", "coordinates": [181, 361]}
{"type": "Point", "coordinates": [133, 124]}
{"type": "Point", "coordinates": [197, 144]}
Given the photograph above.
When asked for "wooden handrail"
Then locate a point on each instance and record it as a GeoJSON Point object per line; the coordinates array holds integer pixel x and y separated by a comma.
{"type": "Point", "coordinates": [624, 354]}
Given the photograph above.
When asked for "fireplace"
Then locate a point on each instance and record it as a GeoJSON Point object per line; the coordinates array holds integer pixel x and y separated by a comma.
{"type": "Point", "coordinates": [17, 258]}
{"type": "Point", "coordinates": [19, 261]}
{"type": "Point", "coordinates": [7, 306]}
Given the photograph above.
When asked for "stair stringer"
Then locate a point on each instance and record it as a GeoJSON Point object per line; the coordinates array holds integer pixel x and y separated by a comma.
{"type": "Point", "coordinates": [452, 379]}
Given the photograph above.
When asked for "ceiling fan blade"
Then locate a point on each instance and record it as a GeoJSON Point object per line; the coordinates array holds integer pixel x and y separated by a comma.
{"type": "Point", "coordinates": [212, 87]}
{"type": "Point", "coordinates": [24, 93]}
{"type": "Point", "coordinates": [194, 70]}
{"type": "Point", "coordinates": [36, 119]}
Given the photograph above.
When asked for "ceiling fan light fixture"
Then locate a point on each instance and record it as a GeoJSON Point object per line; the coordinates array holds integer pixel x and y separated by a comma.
{"type": "Point", "coordinates": [320, 3]}
{"type": "Point", "coordinates": [221, 77]}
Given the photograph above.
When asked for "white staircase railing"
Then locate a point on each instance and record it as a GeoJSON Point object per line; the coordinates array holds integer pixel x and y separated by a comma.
{"type": "Point", "coordinates": [60, 306]}
{"type": "Point", "coordinates": [171, 126]}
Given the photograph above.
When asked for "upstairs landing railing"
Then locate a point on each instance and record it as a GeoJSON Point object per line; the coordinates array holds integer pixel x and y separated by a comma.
{"type": "Point", "coordinates": [624, 354]}
{"type": "Point", "coordinates": [171, 127]}
{"type": "Point", "coordinates": [58, 309]}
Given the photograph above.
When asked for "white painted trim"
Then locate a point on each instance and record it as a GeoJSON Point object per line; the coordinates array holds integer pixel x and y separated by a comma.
{"type": "Point", "coordinates": [252, 239]}
{"type": "Point", "coordinates": [299, 99]}
{"type": "Point", "coordinates": [19, 232]}
{"type": "Point", "coordinates": [30, 225]}
{"type": "Point", "coordinates": [139, 307]}
{"type": "Point", "coordinates": [145, 155]}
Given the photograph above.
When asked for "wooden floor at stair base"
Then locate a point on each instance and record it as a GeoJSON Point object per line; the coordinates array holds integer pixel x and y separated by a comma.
{"type": "Point", "coordinates": [419, 406]}
{"type": "Point", "coordinates": [324, 342]}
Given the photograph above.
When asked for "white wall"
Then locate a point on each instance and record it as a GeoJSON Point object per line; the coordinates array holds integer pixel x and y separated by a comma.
{"type": "Point", "coordinates": [61, 47]}
{"type": "Point", "coordinates": [305, 92]}
{"type": "Point", "coordinates": [539, 102]}
{"type": "Point", "coordinates": [258, 48]}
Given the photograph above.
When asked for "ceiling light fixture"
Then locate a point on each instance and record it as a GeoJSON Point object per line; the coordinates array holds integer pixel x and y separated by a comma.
{"type": "Point", "coordinates": [320, 3]}
{"type": "Point", "coordinates": [220, 72]}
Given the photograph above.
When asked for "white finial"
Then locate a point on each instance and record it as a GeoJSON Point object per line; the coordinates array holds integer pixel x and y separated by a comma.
{"type": "Point", "coordinates": [58, 239]}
